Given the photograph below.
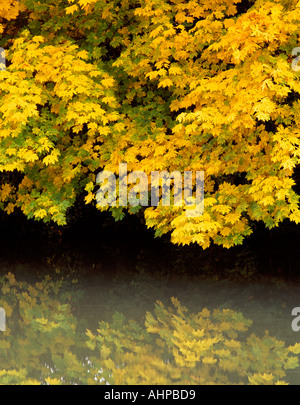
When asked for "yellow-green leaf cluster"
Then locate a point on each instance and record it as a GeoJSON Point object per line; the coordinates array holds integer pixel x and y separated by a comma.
{"type": "Point", "coordinates": [159, 85]}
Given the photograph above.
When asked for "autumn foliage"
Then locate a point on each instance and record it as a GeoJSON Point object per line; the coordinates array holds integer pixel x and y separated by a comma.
{"type": "Point", "coordinates": [45, 343]}
{"type": "Point", "coordinates": [160, 85]}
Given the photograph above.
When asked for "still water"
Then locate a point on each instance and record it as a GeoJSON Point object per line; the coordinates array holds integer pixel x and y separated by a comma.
{"type": "Point", "coordinates": [50, 319]}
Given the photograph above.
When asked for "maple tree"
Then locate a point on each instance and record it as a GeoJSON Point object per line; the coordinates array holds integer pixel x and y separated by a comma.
{"type": "Point", "coordinates": [159, 85]}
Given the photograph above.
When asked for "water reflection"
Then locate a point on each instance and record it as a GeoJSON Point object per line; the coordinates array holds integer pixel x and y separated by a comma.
{"type": "Point", "coordinates": [130, 331]}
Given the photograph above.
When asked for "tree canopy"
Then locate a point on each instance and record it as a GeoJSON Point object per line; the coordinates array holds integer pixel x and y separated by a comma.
{"type": "Point", "coordinates": [174, 85]}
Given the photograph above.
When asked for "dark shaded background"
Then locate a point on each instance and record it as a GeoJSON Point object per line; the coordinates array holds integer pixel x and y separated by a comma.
{"type": "Point", "coordinates": [95, 241]}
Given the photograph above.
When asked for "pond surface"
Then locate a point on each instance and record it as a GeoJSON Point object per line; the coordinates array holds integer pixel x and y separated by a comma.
{"type": "Point", "coordinates": [128, 272]}
{"type": "Point", "coordinates": [268, 305]}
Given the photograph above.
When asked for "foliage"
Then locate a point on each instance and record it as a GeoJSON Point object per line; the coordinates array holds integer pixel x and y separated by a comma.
{"type": "Point", "coordinates": [159, 85]}
{"type": "Point", "coordinates": [37, 346]}
{"type": "Point", "coordinates": [181, 348]}
{"type": "Point", "coordinates": [44, 344]}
